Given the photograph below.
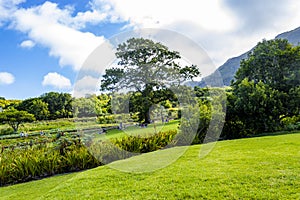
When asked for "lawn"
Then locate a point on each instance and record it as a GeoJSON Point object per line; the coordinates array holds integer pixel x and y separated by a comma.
{"type": "Point", "coordinates": [256, 168]}
{"type": "Point", "coordinates": [137, 130]}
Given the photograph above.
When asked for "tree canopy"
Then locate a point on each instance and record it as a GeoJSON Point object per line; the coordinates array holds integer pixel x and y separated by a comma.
{"type": "Point", "coordinates": [59, 104]}
{"type": "Point", "coordinates": [148, 68]}
{"type": "Point", "coordinates": [14, 118]}
{"type": "Point", "coordinates": [267, 86]}
{"type": "Point", "coordinates": [274, 62]}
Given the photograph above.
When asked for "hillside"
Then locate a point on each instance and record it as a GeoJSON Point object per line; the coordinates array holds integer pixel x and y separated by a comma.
{"type": "Point", "coordinates": [229, 68]}
{"type": "Point", "coordinates": [255, 168]}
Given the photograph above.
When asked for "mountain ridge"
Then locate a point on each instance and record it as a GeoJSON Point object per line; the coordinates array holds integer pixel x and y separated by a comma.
{"type": "Point", "coordinates": [229, 68]}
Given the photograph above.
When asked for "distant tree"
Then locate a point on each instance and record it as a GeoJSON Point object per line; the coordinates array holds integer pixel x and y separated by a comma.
{"type": "Point", "coordinates": [59, 104]}
{"type": "Point", "coordinates": [84, 107]}
{"type": "Point", "coordinates": [5, 104]}
{"type": "Point", "coordinates": [15, 118]}
{"type": "Point", "coordinates": [148, 68]}
{"type": "Point", "coordinates": [39, 109]}
{"type": "Point", "coordinates": [35, 106]}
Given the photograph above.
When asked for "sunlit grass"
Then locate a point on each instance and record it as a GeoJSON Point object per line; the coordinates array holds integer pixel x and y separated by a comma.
{"type": "Point", "coordinates": [138, 130]}
{"type": "Point", "coordinates": [255, 168]}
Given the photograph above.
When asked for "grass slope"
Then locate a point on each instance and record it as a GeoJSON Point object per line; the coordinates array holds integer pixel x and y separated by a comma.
{"type": "Point", "coordinates": [256, 168]}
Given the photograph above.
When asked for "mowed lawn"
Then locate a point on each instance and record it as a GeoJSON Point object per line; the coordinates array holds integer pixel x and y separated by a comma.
{"type": "Point", "coordinates": [256, 168]}
{"type": "Point", "coordinates": [146, 131]}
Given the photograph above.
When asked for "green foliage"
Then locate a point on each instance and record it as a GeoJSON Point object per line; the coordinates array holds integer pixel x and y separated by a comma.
{"type": "Point", "coordinates": [266, 89]}
{"type": "Point", "coordinates": [118, 148]}
{"type": "Point", "coordinates": [35, 106]}
{"type": "Point", "coordinates": [91, 106]}
{"type": "Point", "coordinates": [252, 168]}
{"type": "Point", "coordinates": [38, 160]}
{"type": "Point", "coordinates": [274, 62]}
{"type": "Point", "coordinates": [107, 119]}
{"type": "Point", "coordinates": [148, 68]}
{"type": "Point", "coordinates": [6, 131]}
{"type": "Point", "coordinates": [84, 107]}
{"type": "Point", "coordinates": [14, 118]}
{"type": "Point", "coordinates": [5, 104]}
{"type": "Point", "coordinates": [59, 104]}
{"type": "Point", "coordinates": [145, 143]}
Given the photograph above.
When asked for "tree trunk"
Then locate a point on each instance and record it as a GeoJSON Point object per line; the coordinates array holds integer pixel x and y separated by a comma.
{"type": "Point", "coordinates": [147, 116]}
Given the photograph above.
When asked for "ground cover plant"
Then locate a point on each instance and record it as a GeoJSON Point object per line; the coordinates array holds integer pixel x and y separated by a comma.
{"type": "Point", "coordinates": [37, 156]}
{"type": "Point", "coordinates": [253, 168]}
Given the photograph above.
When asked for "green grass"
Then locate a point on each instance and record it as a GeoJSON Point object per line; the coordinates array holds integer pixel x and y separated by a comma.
{"type": "Point", "coordinates": [254, 168]}
{"type": "Point", "coordinates": [64, 124]}
{"type": "Point", "coordinates": [136, 130]}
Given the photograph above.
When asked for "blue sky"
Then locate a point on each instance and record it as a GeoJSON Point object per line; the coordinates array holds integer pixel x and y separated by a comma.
{"type": "Point", "coordinates": [43, 44]}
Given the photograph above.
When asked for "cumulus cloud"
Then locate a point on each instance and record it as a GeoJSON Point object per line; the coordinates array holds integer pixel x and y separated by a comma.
{"type": "Point", "coordinates": [157, 13]}
{"type": "Point", "coordinates": [86, 85]}
{"type": "Point", "coordinates": [267, 14]}
{"type": "Point", "coordinates": [56, 80]}
{"type": "Point", "coordinates": [55, 29]}
{"type": "Point", "coordinates": [223, 28]}
{"type": "Point", "coordinates": [27, 44]}
{"type": "Point", "coordinates": [6, 78]}
{"type": "Point", "coordinates": [7, 8]}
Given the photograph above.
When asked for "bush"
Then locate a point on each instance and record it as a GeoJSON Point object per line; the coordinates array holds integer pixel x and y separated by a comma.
{"type": "Point", "coordinates": [128, 146]}
{"type": "Point", "coordinates": [292, 127]}
{"type": "Point", "coordinates": [291, 123]}
{"type": "Point", "coordinates": [139, 144]}
{"type": "Point", "coordinates": [6, 131]}
{"type": "Point", "coordinates": [30, 163]}
{"type": "Point", "coordinates": [108, 119]}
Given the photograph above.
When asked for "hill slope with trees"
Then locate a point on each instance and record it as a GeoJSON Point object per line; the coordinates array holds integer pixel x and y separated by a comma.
{"type": "Point", "coordinates": [230, 67]}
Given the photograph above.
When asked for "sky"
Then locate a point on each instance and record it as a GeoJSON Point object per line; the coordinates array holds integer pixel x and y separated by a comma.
{"type": "Point", "coordinates": [44, 44]}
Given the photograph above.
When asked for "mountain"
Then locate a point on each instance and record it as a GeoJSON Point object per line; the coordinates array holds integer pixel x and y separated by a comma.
{"type": "Point", "coordinates": [229, 68]}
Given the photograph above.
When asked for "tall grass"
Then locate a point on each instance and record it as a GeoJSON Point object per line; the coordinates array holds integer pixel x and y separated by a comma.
{"type": "Point", "coordinates": [30, 163]}
{"type": "Point", "coordinates": [43, 156]}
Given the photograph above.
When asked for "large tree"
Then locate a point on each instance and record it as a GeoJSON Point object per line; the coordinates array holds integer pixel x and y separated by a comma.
{"type": "Point", "coordinates": [274, 62]}
{"type": "Point", "coordinates": [267, 86]}
{"type": "Point", "coordinates": [15, 118]}
{"type": "Point", "coordinates": [149, 68]}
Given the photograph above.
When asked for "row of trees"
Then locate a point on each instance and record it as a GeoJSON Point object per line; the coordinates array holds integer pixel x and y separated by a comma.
{"type": "Point", "coordinates": [54, 105]}
{"type": "Point", "coordinates": [264, 94]}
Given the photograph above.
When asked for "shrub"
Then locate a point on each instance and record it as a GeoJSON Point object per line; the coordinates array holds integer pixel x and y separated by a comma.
{"type": "Point", "coordinates": [29, 163]}
{"type": "Point", "coordinates": [6, 131]}
{"type": "Point", "coordinates": [293, 127]}
{"type": "Point", "coordinates": [128, 146]}
{"type": "Point", "coordinates": [139, 144]}
{"type": "Point", "coordinates": [108, 119]}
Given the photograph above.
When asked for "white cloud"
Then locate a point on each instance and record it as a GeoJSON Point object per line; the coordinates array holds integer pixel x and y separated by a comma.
{"type": "Point", "coordinates": [27, 44]}
{"type": "Point", "coordinates": [7, 8]}
{"type": "Point", "coordinates": [56, 80]}
{"type": "Point", "coordinates": [223, 28]}
{"type": "Point", "coordinates": [6, 78]}
{"type": "Point", "coordinates": [86, 85]}
{"type": "Point", "coordinates": [210, 15]}
{"type": "Point", "coordinates": [55, 29]}
{"type": "Point", "coordinates": [92, 17]}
